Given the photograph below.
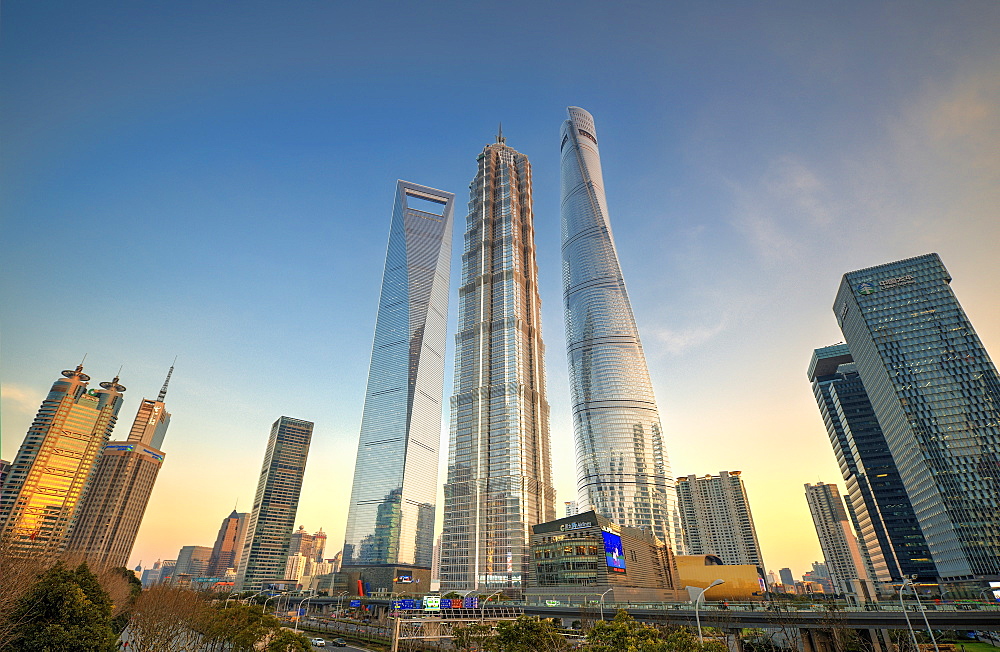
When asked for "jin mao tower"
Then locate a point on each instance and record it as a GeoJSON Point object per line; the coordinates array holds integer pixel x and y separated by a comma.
{"type": "Point", "coordinates": [622, 466]}
{"type": "Point", "coordinates": [499, 468]}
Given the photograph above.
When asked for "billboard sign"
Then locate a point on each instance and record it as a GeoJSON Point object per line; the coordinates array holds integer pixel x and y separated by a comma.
{"type": "Point", "coordinates": [614, 553]}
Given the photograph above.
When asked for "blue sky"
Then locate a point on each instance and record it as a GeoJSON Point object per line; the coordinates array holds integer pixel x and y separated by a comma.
{"type": "Point", "coordinates": [215, 180]}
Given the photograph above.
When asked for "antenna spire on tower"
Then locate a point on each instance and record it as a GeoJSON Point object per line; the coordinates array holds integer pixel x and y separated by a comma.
{"type": "Point", "coordinates": [500, 138]}
{"type": "Point", "coordinates": [163, 390]}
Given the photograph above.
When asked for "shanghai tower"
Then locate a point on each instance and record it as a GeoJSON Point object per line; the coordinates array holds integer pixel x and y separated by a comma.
{"type": "Point", "coordinates": [499, 468]}
{"type": "Point", "coordinates": [622, 467]}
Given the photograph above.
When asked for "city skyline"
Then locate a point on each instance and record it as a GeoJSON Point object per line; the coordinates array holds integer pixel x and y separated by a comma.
{"type": "Point", "coordinates": [222, 202]}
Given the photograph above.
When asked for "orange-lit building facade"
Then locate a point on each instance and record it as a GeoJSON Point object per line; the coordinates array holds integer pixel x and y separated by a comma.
{"type": "Point", "coordinates": [112, 509]}
{"type": "Point", "coordinates": [42, 493]}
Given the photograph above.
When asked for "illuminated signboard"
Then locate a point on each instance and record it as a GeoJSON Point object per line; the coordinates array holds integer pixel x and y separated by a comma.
{"type": "Point", "coordinates": [432, 603]}
{"type": "Point", "coordinates": [613, 552]}
{"type": "Point", "coordinates": [404, 579]}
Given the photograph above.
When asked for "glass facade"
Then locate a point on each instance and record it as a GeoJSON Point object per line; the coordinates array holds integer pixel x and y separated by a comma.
{"type": "Point", "coordinates": [935, 392]}
{"type": "Point", "coordinates": [884, 518]}
{"type": "Point", "coordinates": [622, 467]}
{"type": "Point", "coordinates": [112, 509]}
{"type": "Point", "coordinates": [391, 514]}
{"type": "Point", "coordinates": [269, 530]}
{"type": "Point", "coordinates": [42, 492]}
{"type": "Point", "coordinates": [499, 469]}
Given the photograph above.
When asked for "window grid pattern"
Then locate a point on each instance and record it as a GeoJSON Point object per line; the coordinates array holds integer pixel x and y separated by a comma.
{"type": "Point", "coordinates": [269, 531]}
{"type": "Point", "coordinates": [392, 508]}
{"type": "Point", "coordinates": [622, 468]}
{"type": "Point", "coordinates": [53, 468]}
{"type": "Point", "coordinates": [499, 468]}
{"type": "Point", "coordinates": [936, 394]}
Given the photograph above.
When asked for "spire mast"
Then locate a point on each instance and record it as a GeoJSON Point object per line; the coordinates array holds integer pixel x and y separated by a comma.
{"type": "Point", "coordinates": [163, 390]}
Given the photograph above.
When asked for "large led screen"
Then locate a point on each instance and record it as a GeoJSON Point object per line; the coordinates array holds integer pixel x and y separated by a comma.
{"type": "Point", "coordinates": [613, 552]}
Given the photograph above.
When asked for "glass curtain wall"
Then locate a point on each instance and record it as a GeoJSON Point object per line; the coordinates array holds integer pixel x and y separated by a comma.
{"type": "Point", "coordinates": [622, 467]}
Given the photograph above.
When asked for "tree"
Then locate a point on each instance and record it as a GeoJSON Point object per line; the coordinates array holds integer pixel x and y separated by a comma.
{"type": "Point", "coordinates": [286, 641]}
{"type": "Point", "coordinates": [624, 634]}
{"type": "Point", "coordinates": [65, 610]}
{"type": "Point", "coordinates": [527, 634]}
{"type": "Point", "coordinates": [475, 636]}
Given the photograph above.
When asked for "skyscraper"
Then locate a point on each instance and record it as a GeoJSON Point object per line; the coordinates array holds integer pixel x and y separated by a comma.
{"type": "Point", "coordinates": [836, 538]}
{"type": "Point", "coordinates": [499, 468]}
{"type": "Point", "coordinates": [265, 550]}
{"type": "Point", "coordinates": [228, 544]}
{"type": "Point", "coordinates": [390, 521]}
{"type": "Point", "coordinates": [716, 518]}
{"type": "Point", "coordinates": [936, 394]}
{"type": "Point", "coordinates": [882, 513]}
{"type": "Point", "coordinates": [622, 466]}
{"type": "Point", "coordinates": [115, 501]}
{"type": "Point", "coordinates": [192, 561]}
{"type": "Point", "coordinates": [51, 471]}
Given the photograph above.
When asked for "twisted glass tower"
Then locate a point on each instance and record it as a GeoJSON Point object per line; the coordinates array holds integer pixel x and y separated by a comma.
{"type": "Point", "coordinates": [390, 521]}
{"type": "Point", "coordinates": [499, 468]}
{"type": "Point", "coordinates": [622, 468]}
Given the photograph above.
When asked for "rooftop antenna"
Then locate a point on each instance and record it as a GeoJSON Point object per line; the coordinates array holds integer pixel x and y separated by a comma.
{"type": "Point", "coordinates": [500, 138]}
{"type": "Point", "coordinates": [163, 390]}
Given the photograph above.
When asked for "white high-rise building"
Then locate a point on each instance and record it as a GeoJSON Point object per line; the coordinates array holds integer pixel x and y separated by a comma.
{"type": "Point", "coordinates": [622, 466]}
{"type": "Point", "coordinates": [716, 518]}
{"type": "Point", "coordinates": [837, 540]}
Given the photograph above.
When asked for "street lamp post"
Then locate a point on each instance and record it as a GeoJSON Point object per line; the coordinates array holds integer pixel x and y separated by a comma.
{"type": "Point", "coordinates": [340, 601]}
{"type": "Point", "coordinates": [923, 613]}
{"type": "Point", "coordinates": [697, 615]}
{"type": "Point", "coordinates": [482, 605]}
{"type": "Point", "coordinates": [299, 616]}
{"type": "Point", "coordinates": [602, 601]}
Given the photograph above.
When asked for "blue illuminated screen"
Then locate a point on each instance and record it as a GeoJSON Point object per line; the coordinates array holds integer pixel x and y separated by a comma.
{"type": "Point", "coordinates": [613, 552]}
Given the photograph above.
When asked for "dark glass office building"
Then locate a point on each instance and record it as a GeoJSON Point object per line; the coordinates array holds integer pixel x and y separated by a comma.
{"type": "Point", "coordinates": [882, 514]}
{"type": "Point", "coordinates": [269, 531]}
{"type": "Point", "coordinates": [936, 395]}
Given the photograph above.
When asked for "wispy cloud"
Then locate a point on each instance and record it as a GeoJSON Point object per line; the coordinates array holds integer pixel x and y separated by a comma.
{"type": "Point", "coordinates": [18, 400]}
{"type": "Point", "coordinates": [780, 211]}
{"type": "Point", "coordinates": [677, 341]}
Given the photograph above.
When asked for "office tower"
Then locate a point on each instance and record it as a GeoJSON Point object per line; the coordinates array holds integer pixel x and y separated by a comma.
{"type": "Point", "coordinates": [192, 561]}
{"type": "Point", "coordinates": [499, 467]}
{"type": "Point", "coordinates": [265, 550]}
{"type": "Point", "coordinates": [111, 511]}
{"type": "Point", "coordinates": [622, 466]}
{"type": "Point", "coordinates": [311, 546]}
{"type": "Point", "coordinates": [786, 577]}
{"type": "Point", "coordinates": [883, 516]}
{"type": "Point", "coordinates": [228, 544]}
{"type": "Point", "coordinates": [390, 520]}
{"type": "Point", "coordinates": [318, 546]}
{"type": "Point", "coordinates": [716, 518]}
{"type": "Point", "coordinates": [295, 567]}
{"type": "Point", "coordinates": [836, 538]}
{"type": "Point", "coordinates": [150, 576]}
{"type": "Point", "coordinates": [50, 473]}
{"type": "Point", "coordinates": [4, 470]}
{"type": "Point", "coordinates": [935, 392]}
{"type": "Point", "coordinates": [572, 508]}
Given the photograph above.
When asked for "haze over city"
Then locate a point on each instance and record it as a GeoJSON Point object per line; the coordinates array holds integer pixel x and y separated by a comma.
{"type": "Point", "coordinates": [214, 182]}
